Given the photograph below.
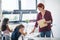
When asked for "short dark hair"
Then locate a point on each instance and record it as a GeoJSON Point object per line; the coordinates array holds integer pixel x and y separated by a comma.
{"type": "Point", "coordinates": [41, 5]}
{"type": "Point", "coordinates": [20, 26]}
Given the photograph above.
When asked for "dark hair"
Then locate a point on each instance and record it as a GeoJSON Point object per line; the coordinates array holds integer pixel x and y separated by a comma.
{"type": "Point", "coordinates": [20, 26]}
{"type": "Point", "coordinates": [41, 5]}
{"type": "Point", "coordinates": [5, 21]}
{"type": "Point", "coordinates": [4, 24]}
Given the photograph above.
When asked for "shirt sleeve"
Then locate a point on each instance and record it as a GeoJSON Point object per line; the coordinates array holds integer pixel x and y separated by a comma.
{"type": "Point", "coordinates": [50, 17]}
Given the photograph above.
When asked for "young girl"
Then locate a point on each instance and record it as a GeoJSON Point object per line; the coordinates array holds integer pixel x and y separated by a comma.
{"type": "Point", "coordinates": [5, 29]}
{"type": "Point", "coordinates": [17, 32]}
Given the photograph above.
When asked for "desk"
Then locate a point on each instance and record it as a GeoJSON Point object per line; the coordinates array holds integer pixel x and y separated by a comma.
{"type": "Point", "coordinates": [39, 38]}
{"type": "Point", "coordinates": [34, 37]}
{"type": "Point", "coordinates": [29, 36]}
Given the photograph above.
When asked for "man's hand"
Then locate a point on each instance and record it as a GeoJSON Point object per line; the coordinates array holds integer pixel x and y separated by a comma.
{"type": "Point", "coordinates": [48, 21]}
{"type": "Point", "coordinates": [33, 30]}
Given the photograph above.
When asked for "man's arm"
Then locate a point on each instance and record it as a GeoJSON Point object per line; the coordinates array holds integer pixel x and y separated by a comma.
{"type": "Point", "coordinates": [36, 24]}
{"type": "Point", "coordinates": [50, 18]}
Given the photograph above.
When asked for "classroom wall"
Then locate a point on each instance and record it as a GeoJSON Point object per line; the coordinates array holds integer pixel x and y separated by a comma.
{"type": "Point", "coordinates": [10, 5]}
{"type": "Point", "coordinates": [0, 19]}
{"type": "Point", "coordinates": [0, 6]}
{"type": "Point", "coordinates": [54, 7]}
{"type": "Point", "coordinates": [0, 12]}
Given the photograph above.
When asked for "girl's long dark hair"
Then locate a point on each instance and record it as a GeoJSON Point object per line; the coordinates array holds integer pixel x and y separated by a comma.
{"type": "Point", "coordinates": [4, 24]}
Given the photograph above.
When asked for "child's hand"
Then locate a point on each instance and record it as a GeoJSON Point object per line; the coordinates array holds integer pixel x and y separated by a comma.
{"type": "Point", "coordinates": [25, 33]}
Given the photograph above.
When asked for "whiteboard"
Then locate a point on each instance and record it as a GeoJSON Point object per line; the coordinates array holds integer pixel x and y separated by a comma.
{"type": "Point", "coordinates": [28, 4]}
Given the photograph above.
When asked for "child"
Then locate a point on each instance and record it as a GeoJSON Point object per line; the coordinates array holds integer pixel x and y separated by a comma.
{"type": "Point", "coordinates": [5, 29]}
{"type": "Point", "coordinates": [17, 32]}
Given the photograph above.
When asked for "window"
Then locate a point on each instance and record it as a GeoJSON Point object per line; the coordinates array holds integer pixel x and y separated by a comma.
{"type": "Point", "coordinates": [28, 4]}
{"type": "Point", "coordinates": [10, 5]}
{"type": "Point", "coordinates": [12, 17]}
{"type": "Point", "coordinates": [29, 17]}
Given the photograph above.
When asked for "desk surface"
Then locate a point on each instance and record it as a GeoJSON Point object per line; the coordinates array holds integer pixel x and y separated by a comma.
{"type": "Point", "coordinates": [34, 37]}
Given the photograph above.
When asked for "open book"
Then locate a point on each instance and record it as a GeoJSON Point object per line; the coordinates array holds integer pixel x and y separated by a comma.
{"type": "Point", "coordinates": [42, 23]}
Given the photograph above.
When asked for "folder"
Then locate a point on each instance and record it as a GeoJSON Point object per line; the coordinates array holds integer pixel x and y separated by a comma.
{"type": "Point", "coordinates": [42, 23]}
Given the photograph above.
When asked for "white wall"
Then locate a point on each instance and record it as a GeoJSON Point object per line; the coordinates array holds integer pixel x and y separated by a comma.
{"type": "Point", "coordinates": [10, 5]}
{"type": "Point", "coordinates": [54, 7]}
{"type": "Point", "coordinates": [0, 18]}
{"type": "Point", "coordinates": [0, 7]}
{"type": "Point", "coordinates": [0, 12]}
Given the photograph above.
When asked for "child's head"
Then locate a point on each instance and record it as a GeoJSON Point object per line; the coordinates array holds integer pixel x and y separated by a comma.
{"type": "Point", "coordinates": [20, 27]}
{"type": "Point", "coordinates": [5, 21]}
